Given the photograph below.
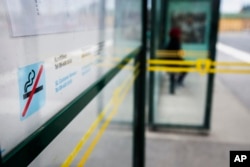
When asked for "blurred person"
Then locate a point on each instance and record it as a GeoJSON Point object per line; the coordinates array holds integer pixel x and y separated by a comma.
{"type": "Point", "coordinates": [174, 44]}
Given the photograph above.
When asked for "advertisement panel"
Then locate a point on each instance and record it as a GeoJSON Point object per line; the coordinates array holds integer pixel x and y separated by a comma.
{"type": "Point", "coordinates": [193, 17]}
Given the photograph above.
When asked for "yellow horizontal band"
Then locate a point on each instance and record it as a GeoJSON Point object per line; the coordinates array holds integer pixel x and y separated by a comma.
{"type": "Point", "coordinates": [230, 64]}
{"type": "Point", "coordinates": [182, 53]}
{"type": "Point", "coordinates": [170, 62]}
{"type": "Point", "coordinates": [173, 69]}
{"type": "Point", "coordinates": [202, 66]}
{"type": "Point", "coordinates": [229, 71]}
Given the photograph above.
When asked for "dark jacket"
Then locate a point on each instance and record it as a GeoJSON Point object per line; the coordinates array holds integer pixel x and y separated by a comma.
{"type": "Point", "coordinates": [174, 44]}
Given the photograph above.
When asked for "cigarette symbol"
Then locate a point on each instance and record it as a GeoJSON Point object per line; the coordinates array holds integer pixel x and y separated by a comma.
{"type": "Point", "coordinates": [34, 88]}
{"type": "Point", "coordinates": [29, 83]}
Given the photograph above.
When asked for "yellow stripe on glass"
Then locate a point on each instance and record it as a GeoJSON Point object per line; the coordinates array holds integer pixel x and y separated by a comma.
{"type": "Point", "coordinates": [202, 66]}
{"type": "Point", "coordinates": [182, 53]}
{"type": "Point", "coordinates": [119, 94]}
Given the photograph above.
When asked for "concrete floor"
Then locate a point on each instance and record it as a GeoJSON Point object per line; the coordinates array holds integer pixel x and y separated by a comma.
{"type": "Point", "coordinates": [230, 122]}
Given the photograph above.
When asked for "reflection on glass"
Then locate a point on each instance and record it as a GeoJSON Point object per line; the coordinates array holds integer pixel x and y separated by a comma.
{"type": "Point", "coordinates": [179, 95]}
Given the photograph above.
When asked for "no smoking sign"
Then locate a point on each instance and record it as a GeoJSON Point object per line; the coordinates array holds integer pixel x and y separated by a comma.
{"type": "Point", "coordinates": [31, 81]}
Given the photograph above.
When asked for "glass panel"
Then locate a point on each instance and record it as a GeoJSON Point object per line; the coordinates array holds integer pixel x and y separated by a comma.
{"type": "Point", "coordinates": [186, 106]}
{"type": "Point", "coordinates": [42, 73]}
{"type": "Point", "coordinates": [180, 97]}
{"type": "Point", "coordinates": [47, 65]}
{"type": "Point", "coordinates": [86, 140]}
{"type": "Point", "coordinates": [118, 136]}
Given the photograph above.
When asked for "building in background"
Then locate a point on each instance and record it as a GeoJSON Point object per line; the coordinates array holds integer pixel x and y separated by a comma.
{"type": "Point", "coordinates": [236, 21]}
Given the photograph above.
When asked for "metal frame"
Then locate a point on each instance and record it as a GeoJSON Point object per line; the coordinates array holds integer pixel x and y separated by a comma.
{"type": "Point", "coordinates": [215, 4]}
{"type": "Point", "coordinates": [1, 161]}
{"type": "Point", "coordinates": [139, 100]}
{"type": "Point", "coordinates": [212, 48]}
{"type": "Point", "coordinates": [152, 74]}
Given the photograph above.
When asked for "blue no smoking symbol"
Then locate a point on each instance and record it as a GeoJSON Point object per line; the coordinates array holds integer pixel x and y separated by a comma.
{"type": "Point", "coordinates": [31, 89]}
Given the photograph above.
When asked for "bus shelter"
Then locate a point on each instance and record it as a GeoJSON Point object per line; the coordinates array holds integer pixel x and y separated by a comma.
{"type": "Point", "coordinates": [186, 105]}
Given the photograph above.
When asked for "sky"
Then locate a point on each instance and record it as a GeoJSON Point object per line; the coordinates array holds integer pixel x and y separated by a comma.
{"type": "Point", "coordinates": [227, 6]}
{"type": "Point", "coordinates": [232, 6]}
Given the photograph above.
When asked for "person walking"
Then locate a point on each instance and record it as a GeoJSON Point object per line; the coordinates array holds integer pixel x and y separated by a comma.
{"type": "Point", "coordinates": [174, 45]}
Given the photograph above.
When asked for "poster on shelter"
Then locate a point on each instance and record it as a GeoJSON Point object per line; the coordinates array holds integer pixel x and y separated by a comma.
{"type": "Point", "coordinates": [35, 17]}
{"type": "Point", "coordinates": [193, 18]}
{"type": "Point", "coordinates": [192, 24]}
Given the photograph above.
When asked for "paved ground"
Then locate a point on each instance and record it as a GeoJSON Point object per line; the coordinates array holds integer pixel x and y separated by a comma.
{"type": "Point", "coordinates": [230, 122]}
{"type": "Point", "coordinates": [237, 84]}
{"type": "Point", "coordinates": [239, 40]}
